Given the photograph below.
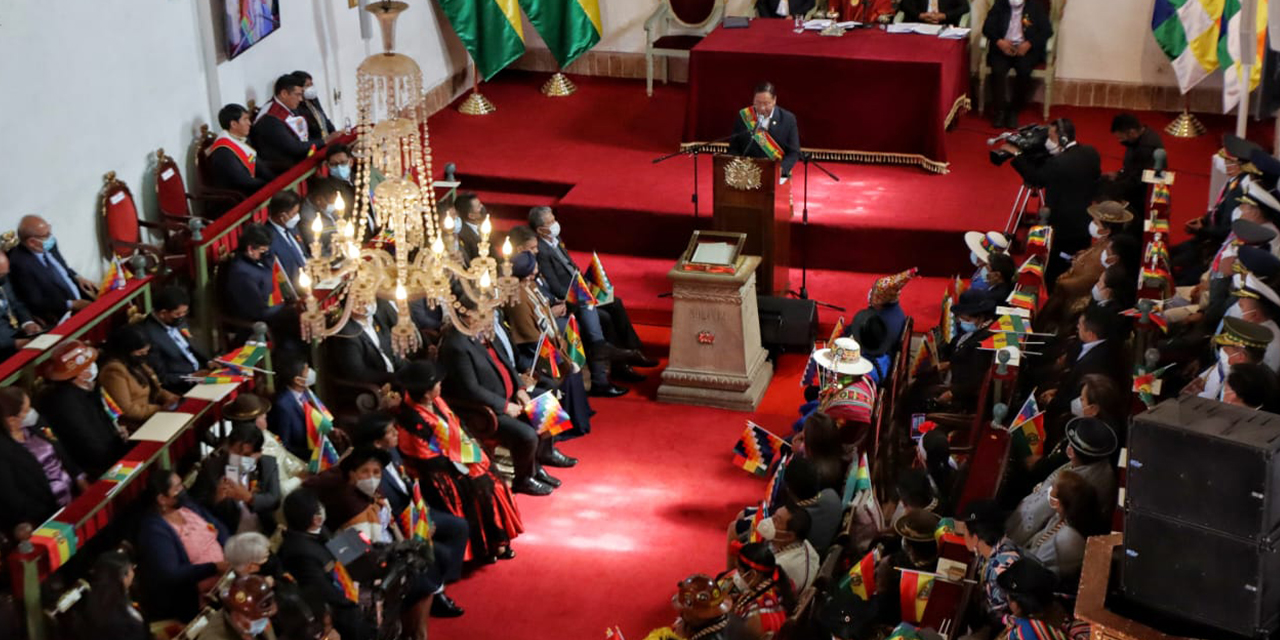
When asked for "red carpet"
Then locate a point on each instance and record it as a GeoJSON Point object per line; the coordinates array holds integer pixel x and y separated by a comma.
{"type": "Point", "coordinates": [655, 489]}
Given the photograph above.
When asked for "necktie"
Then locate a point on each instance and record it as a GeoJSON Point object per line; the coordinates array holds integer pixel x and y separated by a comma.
{"type": "Point", "coordinates": [508, 386]}
{"type": "Point", "coordinates": [50, 262]}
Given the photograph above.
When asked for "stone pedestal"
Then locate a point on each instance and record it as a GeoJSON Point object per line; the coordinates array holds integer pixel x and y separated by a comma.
{"type": "Point", "coordinates": [716, 357]}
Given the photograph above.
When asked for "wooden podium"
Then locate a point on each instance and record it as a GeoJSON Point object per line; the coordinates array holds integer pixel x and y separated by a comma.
{"type": "Point", "coordinates": [748, 199]}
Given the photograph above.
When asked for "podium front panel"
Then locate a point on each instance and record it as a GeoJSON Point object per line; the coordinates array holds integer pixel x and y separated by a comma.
{"type": "Point", "coordinates": [762, 212]}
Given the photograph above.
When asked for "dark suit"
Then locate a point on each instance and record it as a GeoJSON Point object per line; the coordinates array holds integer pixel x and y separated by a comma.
{"type": "Point", "coordinates": [80, 422]}
{"type": "Point", "coordinates": [355, 357]}
{"type": "Point", "coordinates": [318, 123]}
{"type": "Point", "coordinates": [25, 493]}
{"type": "Point", "coordinates": [782, 128]}
{"type": "Point", "coordinates": [472, 375]}
{"type": "Point", "coordinates": [557, 268]}
{"type": "Point", "coordinates": [1036, 29]}
{"type": "Point", "coordinates": [291, 260]}
{"type": "Point", "coordinates": [266, 496]}
{"type": "Point", "coordinates": [278, 147]}
{"type": "Point", "coordinates": [953, 9]}
{"type": "Point", "coordinates": [287, 421]}
{"type": "Point", "coordinates": [246, 285]}
{"type": "Point", "coordinates": [167, 358]}
{"type": "Point", "coordinates": [168, 578]}
{"type": "Point", "coordinates": [227, 172]}
{"type": "Point", "coordinates": [1102, 358]}
{"type": "Point", "coordinates": [469, 241]}
{"type": "Point", "coordinates": [1139, 155]}
{"type": "Point", "coordinates": [13, 314]}
{"type": "Point", "coordinates": [969, 365]}
{"type": "Point", "coordinates": [311, 564]}
{"type": "Point", "coordinates": [40, 288]}
{"type": "Point", "coordinates": [769, 8]}
{"type": "Point", "coordinates": [1070, 180]}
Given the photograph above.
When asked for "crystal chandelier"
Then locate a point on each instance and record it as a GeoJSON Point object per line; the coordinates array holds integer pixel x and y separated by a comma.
{"type": "Point", "coordinates": [416, 254]}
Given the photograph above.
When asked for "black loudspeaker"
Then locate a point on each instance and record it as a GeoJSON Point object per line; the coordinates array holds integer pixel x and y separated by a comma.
{"type": "Point", "coordinates": [1202, 517]}
{"type": "Point", "coordinates": [787, 324]}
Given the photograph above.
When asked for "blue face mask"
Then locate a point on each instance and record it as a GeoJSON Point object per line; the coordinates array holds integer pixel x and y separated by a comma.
{"type": "Point", "coordinates": [256, 627]}
{"type": "Point", "coordinates": [49, 243]}
{"type": "Point", "coordinates": [968, 327]}
{"type": "Point", "coordinates": [341, 172]}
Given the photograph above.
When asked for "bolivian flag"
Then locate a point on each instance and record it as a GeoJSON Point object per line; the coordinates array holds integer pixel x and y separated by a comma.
{"type": "Point", "coordinates": [489, 29]}
{"type": "Point", "coordinates": [569, 27]}
{"type": "Point", "coordinates": [861, 579]}
{"type": "Point", "coordinates": [913, 593]}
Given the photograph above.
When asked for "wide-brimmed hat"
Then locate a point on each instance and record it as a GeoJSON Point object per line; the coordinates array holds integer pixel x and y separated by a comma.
{"type": "Point", "coordinates": [702, 595]}
{"type": "Point", "coordinates": [871, 332]}
{"type": "Point", "coordinates": [985, 511]}
{"type": "Point", "coordinates": [983, 244]}
{"type": "Point", "coordinates": [67, 361]}
{"type": "Point", "coordinates": [889, 288]}
{"type": "Point", "coordinates": [1091, 437]}
{"type": "Point", "coordinates": [844, 357]}
{"type": "Point", "coordinates": [973, 303]}
{"type": "Point", "coordinates": [1027, 576]}
{"type": "Point", "coordinates": [1252, 287]}
{"type": "Point", "coordinates": [917, 525]}
{"type": "Point", "coordinates": [1110, 212]}
{"type": "Point", "coordinates": [246, 407]}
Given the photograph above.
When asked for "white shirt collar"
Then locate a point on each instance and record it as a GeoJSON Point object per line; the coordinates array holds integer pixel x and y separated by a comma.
{"type": "Point", "coordinates": [1086, 347]}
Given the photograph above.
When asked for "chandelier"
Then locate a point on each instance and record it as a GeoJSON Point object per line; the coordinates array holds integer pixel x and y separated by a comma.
{"type": "Point", "coordinates": [415, 255]}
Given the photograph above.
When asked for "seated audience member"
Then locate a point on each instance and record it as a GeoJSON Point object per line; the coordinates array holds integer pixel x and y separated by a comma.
{"type": "Point", "coordinates": [40, 276]}
{"type": "Point", "coordinates": [884, 296]}
{"type": "Point", "coordinates": [471, 215]}
{"type": "Point", "coordinates": [20, 325]}
{"type": "Point", "coordinates": [933, 452]}
{"type": "Point", "coordinates": [843, 615]}
{"type": "Point", "coordinates": [279, 134]}
{"type": "Point", "coordinates": [38, 476]}
{"type": "Point", "coordinates": [341, 164]}
{"type": "Point", "coordinates": [873, 338]}
{"type": "Point", "coordinates": [456, 479]}
{"type": "Point", "coordinates": [180, 547]}
{"type": "Point", "coordinates": [1017, 32]}
{"type": "Point", "coordinates": [1252, 385]}
{"type": "Point", "coordinates": [918, 551]}
{"type": "Point", "coordinates": [296, 620]}
{"type": "Point", "coordinates": [1002, 274]}
{"type": "Point", "coordinates": [1090, 445]}
{"type": "Point", "coordinates": [304, 555]}
{"type": "Point", "coordinates": [74, 408]}
{"type": "Point", "coordinates": [1114, 291]}
{"type": "Point", "coordinates": [1072, 289]}
{"type": "Point", "coordinates": [109, 610]}
{"type": "Point", "coordinates": [1190, 258]}
{"type": "Point", "coordinates": [1033, 612]}
{"type": "Point", "coordinates": [819, 443]}
{"type": "Point", "coordinates": [318, 124]}
{"type": "Point", "coordinates": [233, 163]}
{"type": "Point", "coordinates": [1059, 544]}
{"type": "Point", "coordinates": [248, 284]}
{"type": "Point", "coordinates": [1140, 144]}
{"type": "Point", "coordinates": [934, 11]}
{"type": "Point", "coordinates": [786, 533]}
{"type": "Point", "coordinates": [287, 417]}
{"type": "Point", "coordinates": [287, 245]}
{"type": "Point", "coordinates": [981, 524]}
{"type": "Point", "coordinates": [480, 369]}
{"type": "Point", "coordinates": [250, 408]}
{"type": "Point", "coordinates": [173, 355]}
{"type": "Point", "coordinates": [703, 608]}
{"type": "Point", "coordinates": [761, 592]}
{"type": "Point", "coordinates": [962, 358]}
{"type": "Point", "coordinates": [249, 553]}
{"type": "Point", "coordinates": [1239, 341]}
{"type": "Point", "coordinates": [1095, 352]}
{"type": "Point", "coordinates": [449, 533]}
{"type": "Point", "coordinates": [558, 267]}
{"type": "Point", "coordinates": [915, 493]}
{"type": "Point", "coordinates": [248, 606]}
{"type": "Point", "coordinates": [1258, 303]}
{"type": "Point", "coordinates": [846, 391]}
{"type": "Point", "coordinates": [321, 202]}
{"type": "Point", "coordinates": [800, 488]}
{"type": "Point", "coordinates": [362, 350]}
{"type": "Point", "coordinates": [981, 247]}
{"type": "Point", "coordinates": [129, 380]}
{"type": "Point", "coordinates": [240, 485]}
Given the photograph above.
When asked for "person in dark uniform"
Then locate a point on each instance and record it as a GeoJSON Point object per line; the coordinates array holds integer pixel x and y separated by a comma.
{"type": "Point", "coordinates": [233, 162]}
{"type": "Point", "coordinates": [765, 130]}
{"type": "Point", "coordinates": [934, 11]}
{"type": "Point", "coordinates": [1069, 177]}
{"type": "Point", "coordinates": [1017, 33]}
{"type": "Point", "coordinates": [1189, 259]}
{"type": "Point", "coordinates": [962, 357]}
{"type": "Point", "coordinates": [247, 282]}
{"type": "Point", "coordinates": [173, 355]}
{"type": "Point", "coordinates": [1140, 145]}
{"type": "Point", "coordinates": [279, 133]}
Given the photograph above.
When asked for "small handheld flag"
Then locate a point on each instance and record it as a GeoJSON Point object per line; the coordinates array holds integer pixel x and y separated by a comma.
{"type": "Point", "coordinates": [861, 579]}
{"type": "Point", "coordinates": [757, 449]}
{"type": "Point", "coordinates": [322, 457]}
{"type": "Point", "coordinates": [547, 415]}
{"type": "Point", "coordinates": [572, 338]}
{"type": "Point", "coordinates": [914, 589]}
{"type": "Point", "coordinates": [318, 420]}
{"type": "Point", "coordinates": [109, 405]}
{"type": "Point", "coordinates": [857, 481]}
{"type": "Point", "coordinates": [578, 292]}
{"type": "Point", "coordinates": [836, 331]}
{"type": "Point", "coordinates": [115, 278]}
{"type": "Point", "coordinates": [754, 535]}
{"type": "Point", "coordinates": [598, 281]}
{"type": "Point", "coordinates": [277, 292]}
{"type": "Point", "coordinates": [548, 357]}
{"type": "Point", "coordinates": [1027, 437]}
{"type": "Point", "coordinates": [344, 582]}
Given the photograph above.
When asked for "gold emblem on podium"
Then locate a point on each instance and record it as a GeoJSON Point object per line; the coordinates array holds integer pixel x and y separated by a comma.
{"type": "Point", "coordinates": [742, 174]}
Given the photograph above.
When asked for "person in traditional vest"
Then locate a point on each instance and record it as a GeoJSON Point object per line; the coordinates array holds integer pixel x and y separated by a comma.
{"type": "Point", "coordinates": [765, 130]}
{"type": "Point", "coordinates": [847, 393]}
{"type": "Point", "coordinates": [233, 163]}
{"type": "Point", "coordinates": [279, 134]}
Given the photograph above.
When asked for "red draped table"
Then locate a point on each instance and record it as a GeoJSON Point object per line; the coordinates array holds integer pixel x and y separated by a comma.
{"type": "Point", "coordinates": [869, 96]}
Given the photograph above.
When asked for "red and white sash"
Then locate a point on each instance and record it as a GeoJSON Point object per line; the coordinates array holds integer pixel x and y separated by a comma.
{"type": "Point", "coordinates": [243, 152]}
{"type": "Point", "coordinates": [296, 123]}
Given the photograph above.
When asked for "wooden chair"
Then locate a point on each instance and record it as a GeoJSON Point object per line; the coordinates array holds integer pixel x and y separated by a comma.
{"type": "Point", "coordinates": [214, 201]}
{"type": "Point", "coordinates": [1045, 71]}
{"type": "Point", "coordinates": [123, 225]}
{"type": "Point", "coordinates": [695, 18]}
{"type": "Point", "coordinates": [175, 201]}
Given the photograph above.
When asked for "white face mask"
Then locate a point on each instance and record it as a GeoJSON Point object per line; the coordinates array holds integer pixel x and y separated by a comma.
{"type": "Point", "coordinates": [32, 417]}
{"type": "Point", "coordinates": [256, 627]}
{"type": "Point", "coordinates": [370, 309]}
{"type": "Point", "coordinates": [311, 378]}
{"type": "Point", "coordinates": [292, 222]}
{"type": "Point", "coordinates": [329, 209]}
{"type": "Point", "coordinates": [310, 93]}
{"type": "Point", "coordinates": [369, 485]}
{"type": "Point", "coordinates": [740, 582]}
{"type": "Point", "coordinates": [321, 516]}
{"type": "Point", "coordinates": [1104, 257]}
{"type": "Point", "coordinates": [1052, 147]}
{"type": "Point", "coordinates": [248, 464]}
{"type": "Point", "coordinates": [1236, 213]}
{"type": "Point", "coordinates": [1224, 359]}
{"type": "Point", "coordinates": [1094, 231]}
{"type": "Point", "coordinates": [766, 529]}
{"type": "Point", "coordinates": [1077, 407]}
{"type": "Point", "coordinates": [554, 229]}
{"type": "Point", "coordinates": [1097, 293]}
{"type": "Point", "coordinates": [91, 375]}
{"type": "Point", "coordinates": [1016, 3]}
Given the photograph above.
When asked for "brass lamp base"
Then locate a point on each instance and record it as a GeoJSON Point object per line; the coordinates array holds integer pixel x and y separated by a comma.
{"type": "Point", "coordinates": [558, 86]}
{"type": "Point", "coordinates": [1185, 126]}
{"type": "Point", "coordinates": [476, 105]}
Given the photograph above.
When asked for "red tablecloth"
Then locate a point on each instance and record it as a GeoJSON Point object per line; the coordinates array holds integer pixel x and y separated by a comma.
{"type": "Point", "coordinates": [867, 96]}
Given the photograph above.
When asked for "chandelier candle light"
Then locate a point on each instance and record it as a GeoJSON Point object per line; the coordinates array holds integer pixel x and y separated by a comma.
{"type": "Point", "coordinates": [419, 257]}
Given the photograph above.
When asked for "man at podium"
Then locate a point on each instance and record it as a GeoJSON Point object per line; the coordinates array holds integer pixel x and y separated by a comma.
{"type": "Point", "coordinates": [765, 130]}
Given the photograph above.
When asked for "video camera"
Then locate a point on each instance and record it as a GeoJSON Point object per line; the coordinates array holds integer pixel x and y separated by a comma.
{"type": "Point", "coordinates": [1030, 140]}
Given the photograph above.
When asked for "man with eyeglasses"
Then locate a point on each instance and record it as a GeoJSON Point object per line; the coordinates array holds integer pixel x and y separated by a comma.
{"type": "Point", "coordinates": [43, 280]}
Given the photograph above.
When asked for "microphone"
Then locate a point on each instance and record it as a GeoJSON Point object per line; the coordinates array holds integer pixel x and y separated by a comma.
{"type": "Point", "coordinates": [1000, 138]}
{"type": "Point", "coordinates": [1161, 158]}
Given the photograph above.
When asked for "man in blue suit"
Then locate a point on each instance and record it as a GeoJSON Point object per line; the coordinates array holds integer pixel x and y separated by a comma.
{"type": "Point", "coordinates": [287, 245]}
{"type": "Point", "coordinates": [286, 419]}
{"type": "Point", "coordinates": [41, 277]}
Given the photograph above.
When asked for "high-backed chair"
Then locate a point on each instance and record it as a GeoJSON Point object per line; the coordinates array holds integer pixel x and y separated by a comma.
{"type": "Point", "coordinates": [1044, 71]}
{"type": "Point", "coordinates": [123, 225]}
{"type": "Point", "coordinates": [694, 18]}
{"type": "Point", "coordinates": [173, 198]}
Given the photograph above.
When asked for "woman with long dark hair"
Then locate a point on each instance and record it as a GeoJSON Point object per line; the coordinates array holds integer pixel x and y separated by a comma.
{"type": "Point", "coordinates": [824, 448]}
{"type": "Point", "coordinates": [109, 612]}
{"type": "Point", "coordinates": [762, 592]}
{"type": "Point", "coordinates": [128, 379]}
{"type": "Point", "coordinates": [180, 549]}
{"type": "Point", "coordinates": [36, 475]}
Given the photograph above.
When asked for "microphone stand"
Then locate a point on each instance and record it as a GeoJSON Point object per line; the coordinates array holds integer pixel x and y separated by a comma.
{"type": "Point", "coordinates": [803, 293]}
{"type": "Point", "coordinates": [693, 152]}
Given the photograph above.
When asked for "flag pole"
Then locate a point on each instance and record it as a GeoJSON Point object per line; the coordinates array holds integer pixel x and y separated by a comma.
{"type": "Point", "coordinates": [476, 104]}
{"type": "Point", "coordinates": [1248, 53]}
{"type": "Point", "coordinates": [559, 85]}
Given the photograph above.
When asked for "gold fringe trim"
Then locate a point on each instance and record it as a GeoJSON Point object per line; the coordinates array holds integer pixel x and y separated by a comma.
{"type": "Point", "coordinates": [835, 155]}
{"type": "Point", "coordinates": [961, 104]}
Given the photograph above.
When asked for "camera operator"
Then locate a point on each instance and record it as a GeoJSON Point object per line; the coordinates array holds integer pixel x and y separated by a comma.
{"type": "Point", "coordinates": [1069, 176]}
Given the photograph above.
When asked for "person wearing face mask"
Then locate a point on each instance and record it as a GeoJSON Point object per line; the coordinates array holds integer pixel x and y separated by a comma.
{"type": "Point", "coordinates": [785, 531]}
{"type": "Point", "coordinates": [252, 409]}
{"type": "Point", "coordinates": [1260, 304]}
{"type": "Point", "coordinates": [1188, 259]}
{"type": "Point", "coordinates": [1093, 352]}
{"type": "Point", "coordinates": [179, 547]}
{"type": "Point", "coordinates": [961, 361]}
{"type": "Point", "coordinates": [239, 484]}
{"type": "Point", "coordinates": [1017, 32]}
{"type": "Point", "coordinates": [233, 162]}
{"type": "Point", "coordinates": [1261, 206]}
{"type": "Point", "coordinates": [279, 133]}
{"type": "Point", "coordinates": [248, 605]}
{"type": "Point", "coordinates": [1002, 274]}
{"type": "Point", "coordinates": [17, 325]}
{"type": "Point", "coordinates": [1071, 291]}
{"type": "Point", "coordinates": [129, 380]}
{"type": "Point", "coordinates": [41, 277]}
{"type": "Point", "coordinates": [981, 524]}
{"type": "Point", "coordinates": [1090, 446]}
{"type": "Point", "coordinates": [1140, 143]}
{"type": "Point", "coordinates": [761, 592]}
{"type": "Point", "coordinates": [109, 610]}
{"type": "Point", "coordinates": [287, 246]}
{"type": "Point", "coordinates": [38, 477]}
{"type": "Point", "coordinates": [72, 405]}
{"type": "Point", "coordinates": [304, 555]}
{"type": "Point", "coordinates": [981, 247]}
{"type": "Point", "coordinates": [1213, 293]}
{"type": "Point", "coordinates": [339, 161]}
{"type": "Point", "coordinates": [1240, 341]}
{"type": "Point", "coordinates": [1099, 398]}
{"type": "Point", "coordinates": [173, 356]}
{"type": "Point", "coordinates": [362, 350]}
{"type": "Point", "coordinates": [245, 286]}
{"type": "Point", "coordinates": [1059, 544]}
{"type": "Point", "coordinates": [917, 551]}
{"type": "Point", "coordinates": [322, 202]}
{"type": "Point", "coordinates": [318, 124]}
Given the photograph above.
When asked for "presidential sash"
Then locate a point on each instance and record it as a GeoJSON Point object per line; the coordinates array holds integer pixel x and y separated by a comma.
{"type": "Point", "coordinates": [760, 135]}
{"type": "Point", "coordinates": [243, 152]}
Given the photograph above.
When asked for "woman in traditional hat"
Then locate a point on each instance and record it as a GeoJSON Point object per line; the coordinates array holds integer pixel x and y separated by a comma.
{"type": "Point", "coordinates": [1108, 219]}
{"type": "Point", "coordinates": [761, 591]}
{"type": "Point", "coordinates": [963, 357]}
{"type": "Point", "coordinates": [253, 408]}
{"type": "Point", "coordinates": [846, 392]}
{"type": "Point", "coordinates": [454, 469]}
{"type": "Point", "coordinates": [129, 380]}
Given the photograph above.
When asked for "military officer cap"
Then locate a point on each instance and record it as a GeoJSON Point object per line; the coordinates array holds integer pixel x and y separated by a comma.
{"type": "Point", "coordinates": [917, 526]}
{"type": "Point", "coordinates": [1252, 287]}
{"type": "Point", "coordinates": [1233, 146]}
{"type": "Point", "coordinates": [1091, 437]}
{"type": "Point", "coordinates": [1257, 261]}
{"type": "Point", "coordinates": [987, 511]}
{"type": "Point", "coordinates": [1261, 197]}
{"type": "Point", "coordinates": [1242, 333]}
{"type": "Point", "coordinates": [1250, 232]}
{"type": "Point", "coordinates": [1028, 577]}
{"type": "Point", "coordinates": [1265, 162]}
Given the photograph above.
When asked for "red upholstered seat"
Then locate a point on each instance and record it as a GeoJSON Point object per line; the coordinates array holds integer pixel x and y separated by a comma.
{"type": "Point", "coordinates": [171, 191]}
{"type": "Point", "coordinates": [123, 226]}
{"type": "Point", "coordinates": [692, 11]}
{"type": "Point", "coordinates": [683, 43]}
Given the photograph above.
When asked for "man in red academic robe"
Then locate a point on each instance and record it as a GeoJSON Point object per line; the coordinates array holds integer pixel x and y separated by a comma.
{"type": "Point", "coordinates": [866, 11]}
{"type": "Point", "coordinates": [233, 162]}
{"type": "Point", "coordinates": [279, 134]}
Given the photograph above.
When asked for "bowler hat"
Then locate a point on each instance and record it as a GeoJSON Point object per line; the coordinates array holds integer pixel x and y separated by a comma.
{"type": "Point", "coordinates": [67, 361]}
{"type": "Point", "coordinates": [973, 303]}
{"type": "Point", "coordinates": [1091, 437]}
{"type": "Point", "coordinates": [246, 406]}
{"type": "Point", "coordinates": [986, 511]}
{"type": "Point", "coordinates": [1028, 577]}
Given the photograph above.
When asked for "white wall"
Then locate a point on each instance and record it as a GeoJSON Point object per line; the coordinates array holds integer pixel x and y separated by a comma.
{"type": "Point", "coordinates": [94, 86]}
